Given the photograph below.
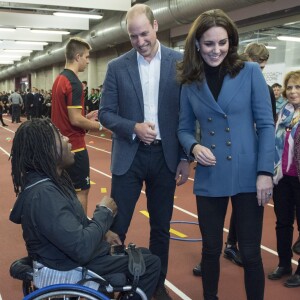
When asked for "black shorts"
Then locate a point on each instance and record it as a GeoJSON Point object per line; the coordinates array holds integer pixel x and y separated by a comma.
{"type": "Point", "coordinates": [80, 171]}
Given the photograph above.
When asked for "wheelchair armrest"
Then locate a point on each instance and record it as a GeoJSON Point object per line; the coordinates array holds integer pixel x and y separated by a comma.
{"type": "Point", "coordinates": [22, 269]}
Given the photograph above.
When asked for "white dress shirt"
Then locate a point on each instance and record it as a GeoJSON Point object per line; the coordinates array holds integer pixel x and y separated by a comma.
{"type": "Point", "coordinates": [150, 75]}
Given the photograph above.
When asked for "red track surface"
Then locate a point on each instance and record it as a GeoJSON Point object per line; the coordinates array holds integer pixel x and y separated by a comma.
{"type": "Point", "coordinates": [183, 255]}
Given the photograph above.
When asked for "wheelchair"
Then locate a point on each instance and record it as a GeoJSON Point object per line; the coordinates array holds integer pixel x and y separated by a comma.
{"type": "Point", "coordinates": [78, 283]}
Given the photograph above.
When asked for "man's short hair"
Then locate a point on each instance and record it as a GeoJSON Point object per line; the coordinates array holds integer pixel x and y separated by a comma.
{"type": "Point", "coordinates": [276, 84]}
{"type": "Point", "coordinates": [74, 46]}
{"type": "Point", "coordinates": [139, 9]}
{"type": "Point", "coordinates": [257, 52]}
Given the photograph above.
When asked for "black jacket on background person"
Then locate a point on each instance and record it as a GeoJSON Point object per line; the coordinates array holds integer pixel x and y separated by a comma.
{"type": "Point", "coordinates": [273, 102]}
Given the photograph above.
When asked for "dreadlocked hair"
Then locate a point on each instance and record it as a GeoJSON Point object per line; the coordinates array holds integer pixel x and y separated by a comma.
{"type": "Point", "coordinates": [34, 149]}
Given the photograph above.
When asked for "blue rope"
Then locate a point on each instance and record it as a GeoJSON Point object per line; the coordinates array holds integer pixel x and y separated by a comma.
{"type": "Point", "coordinates": [185, 239]}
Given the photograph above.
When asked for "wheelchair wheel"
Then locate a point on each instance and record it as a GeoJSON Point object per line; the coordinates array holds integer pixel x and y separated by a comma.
{"type": "Point", "coordinates": [66, 292]}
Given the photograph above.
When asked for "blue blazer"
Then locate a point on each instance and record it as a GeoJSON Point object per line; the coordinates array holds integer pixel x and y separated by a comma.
{"type": "Point", "coordinates": [238, 129]}
{"type": "Point", "coordinates": [122, 106]}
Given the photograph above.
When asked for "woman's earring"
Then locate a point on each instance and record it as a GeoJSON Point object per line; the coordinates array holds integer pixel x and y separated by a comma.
{"type": "Point", "coordinates": [197, 45]}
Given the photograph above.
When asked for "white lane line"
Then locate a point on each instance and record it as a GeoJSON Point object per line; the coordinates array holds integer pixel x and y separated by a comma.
{"type": "Point", "coordinates": [7, 129]}
{"type": "Point", "coordinates": [3, 150]}
{"type": "Point", "coordinates": [102, 173]}
{"type": "Point", "coordinates": [98, 137]}
{"type": "Point", "coordinates": [178, 292]}
{"type": "Point", "coordinates": [98, 149]}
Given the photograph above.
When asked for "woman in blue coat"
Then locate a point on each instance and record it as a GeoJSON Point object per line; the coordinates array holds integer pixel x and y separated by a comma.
{"type": "Point", "coordinates": [235, 157]}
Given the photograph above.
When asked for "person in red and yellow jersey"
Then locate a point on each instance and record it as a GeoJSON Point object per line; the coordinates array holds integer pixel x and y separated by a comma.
{"type": "Point", "coordinates": [68, 113]}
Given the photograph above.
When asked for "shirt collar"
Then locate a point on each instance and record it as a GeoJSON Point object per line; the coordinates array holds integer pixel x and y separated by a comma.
{"type": "Point", "coordinates": [140, 58]}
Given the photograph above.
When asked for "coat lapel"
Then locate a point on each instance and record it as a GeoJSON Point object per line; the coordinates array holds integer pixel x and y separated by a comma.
{"type": "Point", "coordinates": [165, 73]}
{"type": "Point", "coordinates": [229, 89]}
{"type": "Point", "coordinates": [133, 70]}
{"type": "Point", "coordinates": [206, 96]}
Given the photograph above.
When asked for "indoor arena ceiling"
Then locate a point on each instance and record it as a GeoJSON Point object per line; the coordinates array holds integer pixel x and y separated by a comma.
{"type": "Point", "coordinates": [20, 20]}
{"type": "Point", "coordinates": [23, 23]}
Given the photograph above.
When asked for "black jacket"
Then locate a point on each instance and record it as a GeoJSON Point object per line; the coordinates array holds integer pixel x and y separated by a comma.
{"type": "Point", "coordinates": [29, 99]}
{"type": "Point", "coordinates": [273, 102]}
{"type": "Point", "coordinates": [56, 230]}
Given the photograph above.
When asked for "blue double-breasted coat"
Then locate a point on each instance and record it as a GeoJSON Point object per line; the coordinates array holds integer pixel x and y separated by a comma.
{"type": "Point", "coordinates": [238, 128]}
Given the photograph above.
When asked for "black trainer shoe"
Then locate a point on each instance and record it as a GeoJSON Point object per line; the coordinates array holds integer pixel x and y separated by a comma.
{"type": "Point", "coordinates": [279, 272]}
{"type": "Point", "coordinates": [293, 281]}
{"type": "Point", "coordinates": [232, 253]}
{"type": "Point", "coordinates": [161, 293]}
{"type": "Point", "coordinates": [296, 246]}
{"type": "Point", "coordinates": [197, 270]}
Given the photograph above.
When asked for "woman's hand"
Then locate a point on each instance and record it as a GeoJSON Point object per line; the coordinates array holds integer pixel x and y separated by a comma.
{"type": "Point", "coordinates": [264, 186]}
{"type": "Point", "coordinates": [204, 156]}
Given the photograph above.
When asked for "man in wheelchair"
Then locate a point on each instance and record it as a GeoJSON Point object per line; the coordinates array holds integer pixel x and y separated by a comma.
{"type": "Point", "coordinates": [57, 233]}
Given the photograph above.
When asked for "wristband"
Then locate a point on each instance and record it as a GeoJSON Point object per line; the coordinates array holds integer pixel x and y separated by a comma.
{"type": "Point", "coordinates": [110, 210]}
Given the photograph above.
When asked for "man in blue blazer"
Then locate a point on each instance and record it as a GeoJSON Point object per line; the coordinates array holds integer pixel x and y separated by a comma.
{"type": "Point", "coordinates": [140, 105]}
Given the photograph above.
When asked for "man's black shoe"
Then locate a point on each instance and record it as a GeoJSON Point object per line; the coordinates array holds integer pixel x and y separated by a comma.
{"type": "Point", "coordinates": [296, 246]}
{"type": "Point", "coordinates": [197, 270]}
{"type": "Point", "coordinates": [293, 281]}
{"type": "Point", "coordinates": [232, 253]}
{"type": "Point", "coordinates": [279, 272]}
{"type": "Point", "coordinates": [161, 293]}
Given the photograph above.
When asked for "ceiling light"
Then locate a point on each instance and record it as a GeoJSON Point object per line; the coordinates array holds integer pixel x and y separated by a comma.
{"type": "Point", "coordinates": [288, 38]}
{"type": "Point", "coordinates": [31, 43]}
{"type": "Point", "coordinates": [6, 62]}
{"type": "Point", "coordinates": [76, 15]}
{"type": "Point", "coordinates": [7, 29]}
{"type": "Point", "coordinates": [49, 31]}
{"type": "Point", "coordinates": [17, 51]}
{"type": "Point", "coordinates": [3, 55]}
{"type": "Point", "coordinates": [271, 47]}
{"type": "Point", "coordinates": [11, 59]}
{"type": "Point", "coordinates": [291, 23]}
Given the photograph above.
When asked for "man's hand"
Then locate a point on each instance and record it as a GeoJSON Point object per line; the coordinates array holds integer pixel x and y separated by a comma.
{"type": "Point", "coordinates": [182, 172]}
{"type": "Point", "coordinates": [93, 115]}
{"type": "Point", "coordinates": [112, 238]}
{"type": "Point", "coordinates": [145, 132]}
{"type": "Point", "coordinates": [109, 203]}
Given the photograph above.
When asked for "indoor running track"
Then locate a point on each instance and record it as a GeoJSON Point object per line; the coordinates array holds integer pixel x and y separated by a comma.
{"type": "Point", "coordinates": [183, 254]}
